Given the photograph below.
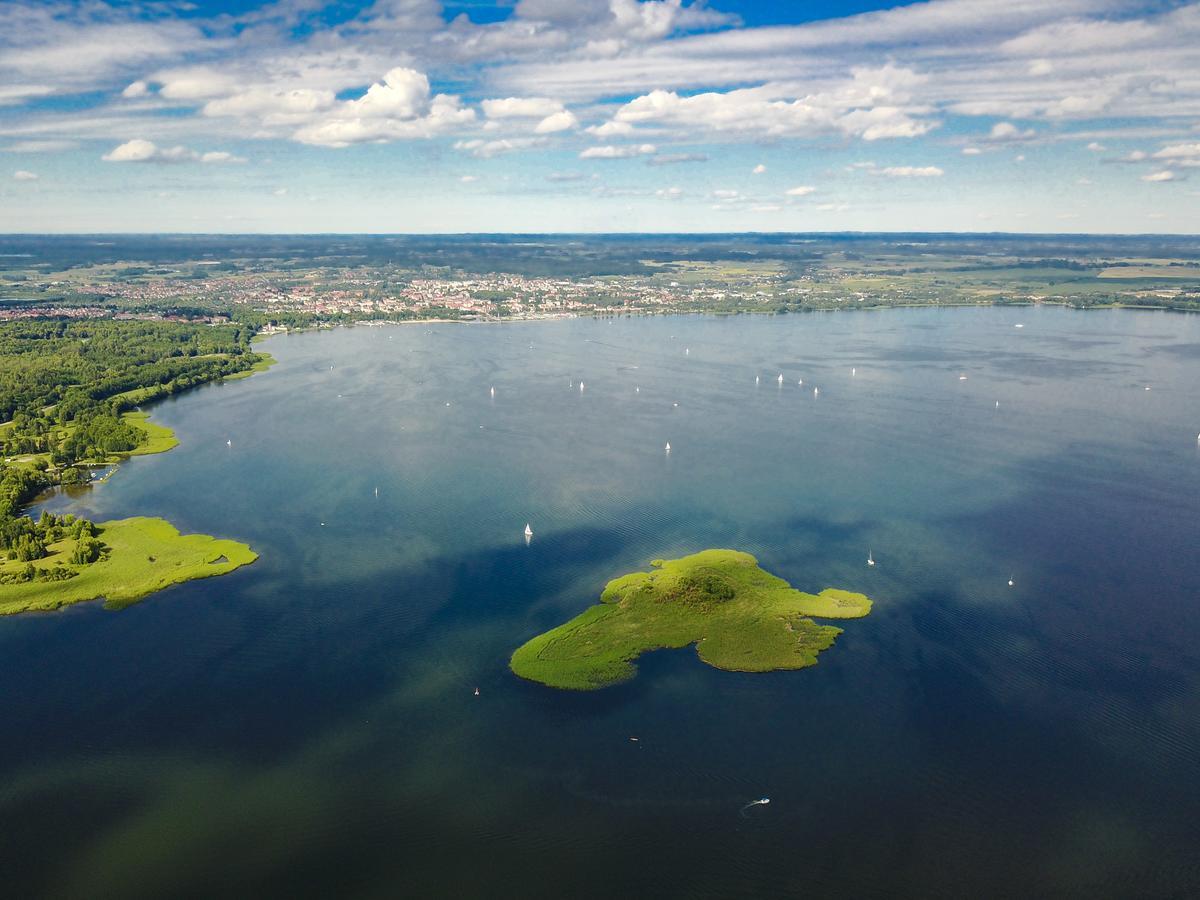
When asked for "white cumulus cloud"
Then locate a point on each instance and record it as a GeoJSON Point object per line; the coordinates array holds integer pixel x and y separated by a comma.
{"type": "Point", "coordinates": [142, 151]}
{"type": "Point", "coordinates": [562, 120]}
{"type": "Point", "coordinates": [872, 104]}
{"type": "Point", "coordinates": [398, 107]}
{"type": "Point", "coordinates": [1179, 151]}
{"type": "Point", "coordinates": [610, 129]}
{"type": "Point", "coordinates": [271, 104]}
{"type": "Point", "coordinates": [610, 151]}
{"type": "Point", "coordinates": [911, 172]}
{"type": "Point", "coordinates": [1007, 131]}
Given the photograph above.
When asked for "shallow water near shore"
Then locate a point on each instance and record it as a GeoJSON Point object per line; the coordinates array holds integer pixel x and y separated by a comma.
{"type": "Point", "coordinates": [308, 724]}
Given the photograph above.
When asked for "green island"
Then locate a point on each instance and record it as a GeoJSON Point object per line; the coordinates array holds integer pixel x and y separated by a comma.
{"type": "Point", "coordinates": [120, 561]}
{"type": "Point", "coordinates": [69, 403]}
{"type": "Point", "coordinates": [740, 617]}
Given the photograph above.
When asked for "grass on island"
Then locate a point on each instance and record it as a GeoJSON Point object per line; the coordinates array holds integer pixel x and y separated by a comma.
{"type": "Point", "coordinates": [159, 438]}
{"type": "Point", "coordinates": [261, 366]}
{"type": "Point", "coordinates": [740, 618]}
{"type": "Point", "coordinates": [143, 555]}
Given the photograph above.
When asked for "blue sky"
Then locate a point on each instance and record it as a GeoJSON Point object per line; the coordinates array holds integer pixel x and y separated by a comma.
{"type": "Point", "coordinates": [600, 115]}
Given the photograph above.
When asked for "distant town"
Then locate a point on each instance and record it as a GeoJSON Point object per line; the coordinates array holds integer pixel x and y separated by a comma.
{"type": "Point", "coordinates": [224, 279]}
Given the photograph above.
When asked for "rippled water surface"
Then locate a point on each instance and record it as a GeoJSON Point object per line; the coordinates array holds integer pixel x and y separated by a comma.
{"type": "Point", "coordinates": [308, 725]}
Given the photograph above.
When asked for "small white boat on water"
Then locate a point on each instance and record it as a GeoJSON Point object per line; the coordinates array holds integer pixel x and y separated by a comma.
{"type": "Point", "coordinates": [528, 531]}
{"type": "Point", "coordinates": [870, 558]}
{"type": "Point", "coordinates": [668, 447]}
{"type": "Point", "coordinates": [229, 443]}
{"type": "Point", "coordinates": [492, 391]}
{"type": "Point", "coordinates": [780, 378]}
{"type": "Point", "coordinates": [1010, 581]}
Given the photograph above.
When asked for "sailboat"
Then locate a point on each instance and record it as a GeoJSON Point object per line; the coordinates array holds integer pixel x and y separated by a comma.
{"type": "Point", "coordinates": [229, 443]}
{"type": "Point", "coordinates": [756, 379]}
{"type": "Point", "coordinates": [780, 378]}
{"type": "Point", "coordinates": [870, 558]}
{"type": "Point", "coordinates": [528, 531]}
{"type": "Point", "coordinates": [492, 391]}
{"type": "Point", "coordinates": [1010, 581]}
{"type": "Point", "coordinates": [668, 447]}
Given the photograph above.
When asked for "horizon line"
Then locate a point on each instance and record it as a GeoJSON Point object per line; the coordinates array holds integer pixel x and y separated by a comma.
{"type": "Point", "coordinates": [843, 233]}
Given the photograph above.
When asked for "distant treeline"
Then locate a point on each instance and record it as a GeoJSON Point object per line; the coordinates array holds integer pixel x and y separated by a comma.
{"type": "Point", "coordinates": [558, 255]}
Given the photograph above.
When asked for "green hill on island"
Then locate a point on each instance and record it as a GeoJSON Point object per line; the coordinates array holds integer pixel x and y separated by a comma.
{"type": "Point", "coordinates": [740, 617]}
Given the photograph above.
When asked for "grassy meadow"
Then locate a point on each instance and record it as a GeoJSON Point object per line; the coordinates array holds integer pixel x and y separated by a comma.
{"type": "Point", "coordinates": [142, 555]}
{"type": "Point", "coordinates": [740, 618]}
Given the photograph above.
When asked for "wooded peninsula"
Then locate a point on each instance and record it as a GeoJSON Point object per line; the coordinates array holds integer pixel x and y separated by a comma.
{"type": "Point", "coordinates": [70, 392]}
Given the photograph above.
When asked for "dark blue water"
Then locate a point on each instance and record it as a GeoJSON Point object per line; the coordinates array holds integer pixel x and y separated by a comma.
{"type": "Point", "coordinates": [308, 725]}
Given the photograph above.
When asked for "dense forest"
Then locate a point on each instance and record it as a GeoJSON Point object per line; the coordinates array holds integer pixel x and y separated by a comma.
{"type": "Point", "coordinates": [63, 386]}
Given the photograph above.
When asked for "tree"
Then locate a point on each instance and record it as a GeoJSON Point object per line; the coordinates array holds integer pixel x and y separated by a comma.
{"type": "Point", "coordinates": [86, 551]}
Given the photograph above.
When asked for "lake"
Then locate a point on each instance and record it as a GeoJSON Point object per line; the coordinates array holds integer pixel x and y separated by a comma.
{"type": "Point", "coordinates": [308, 725]}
